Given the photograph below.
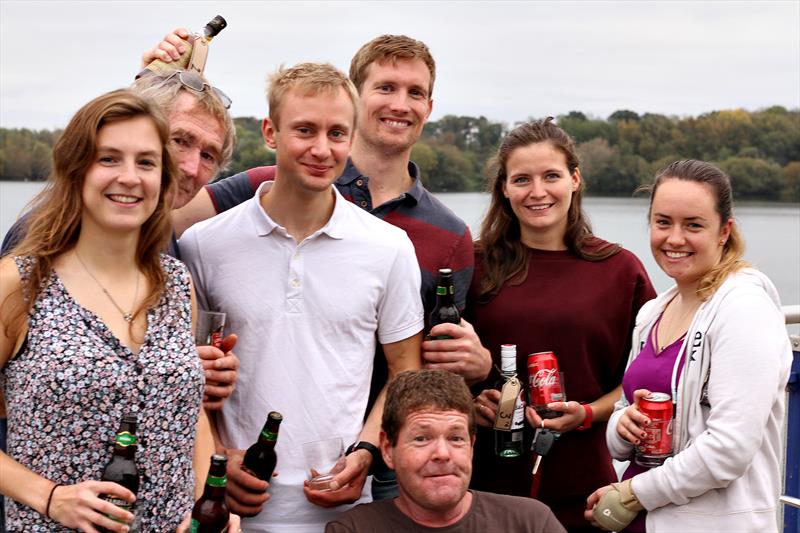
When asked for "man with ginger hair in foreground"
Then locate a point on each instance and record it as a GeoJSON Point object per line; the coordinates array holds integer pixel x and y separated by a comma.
{"type": "Point", "coordinates": [427, 436]}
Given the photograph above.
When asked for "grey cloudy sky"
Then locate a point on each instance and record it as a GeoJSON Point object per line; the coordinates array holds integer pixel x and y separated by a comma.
{"type": "Point", "coordinates": [505, 60]}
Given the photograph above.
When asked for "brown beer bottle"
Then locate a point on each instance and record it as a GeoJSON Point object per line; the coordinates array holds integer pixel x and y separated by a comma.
{"type": "Point", "coordinates": [210, 513]}
{"type": "Point", "coordinates": [194, 57]}
{"type": "Point", "coordinates": [261, 458]}
{"type": "Point", "coordinates": [122, 467]}
{"type": "Point", "coordinates": [445, 310]}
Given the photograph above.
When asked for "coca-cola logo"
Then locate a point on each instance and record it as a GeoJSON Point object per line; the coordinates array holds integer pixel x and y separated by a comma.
{"type": "Point", "coordinates": [546, 377]}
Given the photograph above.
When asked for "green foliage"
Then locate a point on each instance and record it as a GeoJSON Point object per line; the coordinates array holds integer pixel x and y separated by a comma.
{"type": "Point", "coordinates": [760, 150]}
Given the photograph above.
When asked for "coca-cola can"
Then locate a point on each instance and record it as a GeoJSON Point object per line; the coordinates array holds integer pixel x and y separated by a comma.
{"type": "Point", "coordinates": [545, 383]}
{"type": "Point", "coordinates": [656, 446]}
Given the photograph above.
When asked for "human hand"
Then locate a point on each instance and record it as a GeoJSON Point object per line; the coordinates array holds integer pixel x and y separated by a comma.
{"type": "Point", "coordinates": [347, 485]}
{"type": "Point", "coordinates": [632, 422]}
{"type": "Point", "coordinates": [245, 494]}
{"type": "Point", "coordinates": [591, 502]}
{"type": "Point", "coordinates": [221, 368]}
{"type": "Point", "coordinates": [234, 524]}
{"type": "Point", "coordinates": [79, 506]}
{"type": "Point", "coordinates": [462, 353]}
{"type": "Point", "coordinates": [486, 405]}
{"type": "Point", "coordinates": [572, 416]}
{"type": "Point", "coordinates": [169, 49]}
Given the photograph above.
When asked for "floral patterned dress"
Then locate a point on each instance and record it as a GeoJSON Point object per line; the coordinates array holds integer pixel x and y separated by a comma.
{"type": "Point", "coordinates": [68, 388]}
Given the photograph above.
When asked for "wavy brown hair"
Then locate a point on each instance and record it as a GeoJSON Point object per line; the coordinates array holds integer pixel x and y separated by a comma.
{"type": "Point", "coordinates": [503, 255]}
{"type": "Point", "coordinates": [720, 185]}
{"type": "Point", "coordinates": [54, 223]}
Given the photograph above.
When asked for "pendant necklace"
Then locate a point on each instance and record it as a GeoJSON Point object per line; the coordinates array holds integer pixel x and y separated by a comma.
{"type": "Point", "coordinates": [127, 317]}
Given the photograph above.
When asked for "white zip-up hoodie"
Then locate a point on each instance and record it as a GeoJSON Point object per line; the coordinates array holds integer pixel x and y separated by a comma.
{"type": "Point", "coordinates": [725, 475]}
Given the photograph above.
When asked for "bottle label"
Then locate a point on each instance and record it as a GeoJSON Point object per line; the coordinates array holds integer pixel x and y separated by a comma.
{"type": "Point", "coordinates": [194, 526]}
{"type": "Point", "coordinates": [125, 439]}
{"type": "Point", "coordinates": [119, 502]}
{"type": "Point", "coordinates": [507, 409]}
{"type": "Point", "coordinates": [267, 434]}
{"type": "Point", "coordinates": [216, 481]}
{"type": "Point", "coordinates": [441, 291]}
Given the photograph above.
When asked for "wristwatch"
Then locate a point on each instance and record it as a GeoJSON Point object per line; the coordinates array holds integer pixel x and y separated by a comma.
{"type": "Point", "coordinates": [371, 448]}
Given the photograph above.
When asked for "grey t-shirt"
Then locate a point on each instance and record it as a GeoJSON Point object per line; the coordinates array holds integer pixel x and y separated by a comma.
{"type": "Point", "coordinates": [488, 512]}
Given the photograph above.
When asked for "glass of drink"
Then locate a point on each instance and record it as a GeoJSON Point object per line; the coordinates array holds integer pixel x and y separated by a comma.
{"type": "Point", "coordinates": [324, 459]}
{"type": "Point", "coordinates": [210, 328]}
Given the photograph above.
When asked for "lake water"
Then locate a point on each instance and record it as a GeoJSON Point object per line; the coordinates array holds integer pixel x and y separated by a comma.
{"type": "Point", "coordinates": [771, 231]}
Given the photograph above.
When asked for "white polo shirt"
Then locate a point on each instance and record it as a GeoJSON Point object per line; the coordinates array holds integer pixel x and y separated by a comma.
{"type": "Point", "coordinates": [308, 316]}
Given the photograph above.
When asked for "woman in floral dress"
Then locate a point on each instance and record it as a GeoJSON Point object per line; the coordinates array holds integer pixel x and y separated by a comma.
{"type": "Point", "coordinates": [95, 324]}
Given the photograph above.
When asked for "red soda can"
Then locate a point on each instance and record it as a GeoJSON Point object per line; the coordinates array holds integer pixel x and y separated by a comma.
{"type": "Point", "coordinates": [656, 446]}
{"type": "Point", "coordinates": [545, 383]}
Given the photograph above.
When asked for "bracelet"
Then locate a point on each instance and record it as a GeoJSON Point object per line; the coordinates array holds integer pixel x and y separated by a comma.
{"type": "Point", "coordinates": [587, 420]}
{"type": "Point", "coordinates": [50, 499]}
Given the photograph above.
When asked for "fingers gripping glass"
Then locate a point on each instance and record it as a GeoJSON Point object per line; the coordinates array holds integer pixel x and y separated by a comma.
{"type": "Point", "coordinates": [193, 81]}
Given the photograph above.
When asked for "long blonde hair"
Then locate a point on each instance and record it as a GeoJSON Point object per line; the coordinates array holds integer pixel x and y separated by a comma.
{"type": "Point", "coordinates": [54, 223]}
{"type": "Point", "coordinates": [720, 184]}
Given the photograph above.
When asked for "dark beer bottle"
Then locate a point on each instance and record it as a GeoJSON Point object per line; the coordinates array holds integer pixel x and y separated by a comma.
{"type": "Point", "coordinates": [261, 458]}
{"type": "Point", "coordinates": [210, 513]}
{"type": "Point", "coordinates": [445, 310]}
{"type": "Point", "coordinates": [195, 55]}
{"type": "Point", "coordinates": [122, 467]}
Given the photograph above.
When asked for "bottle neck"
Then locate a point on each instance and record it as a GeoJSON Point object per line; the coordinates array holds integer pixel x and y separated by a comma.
{"type": "Point", "coordinates": [215, 487]}
{"type": "Point", "coordinates": [268, 438]}
{"type": "Point", "coordinates": [444, 295]}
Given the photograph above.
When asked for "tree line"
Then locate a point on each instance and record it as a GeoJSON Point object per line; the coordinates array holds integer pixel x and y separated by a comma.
{"type": "Point", "coordinates": [760, 150]}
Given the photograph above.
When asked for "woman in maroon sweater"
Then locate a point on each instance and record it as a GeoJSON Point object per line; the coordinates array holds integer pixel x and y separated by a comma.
{"type": "Point", "coordinates": [545, 283]}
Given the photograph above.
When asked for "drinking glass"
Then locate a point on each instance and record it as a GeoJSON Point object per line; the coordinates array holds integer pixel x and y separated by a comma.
{"type": "Point", "coordinates": [324, 459]}
{"type": "Point", "coordinates": [210, 328]}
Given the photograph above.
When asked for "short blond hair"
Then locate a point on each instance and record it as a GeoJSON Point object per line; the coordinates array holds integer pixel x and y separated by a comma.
{"type": "Point", "coordinates": [311, 79]}
{"type": "Point", "coordinates": [390, 49]}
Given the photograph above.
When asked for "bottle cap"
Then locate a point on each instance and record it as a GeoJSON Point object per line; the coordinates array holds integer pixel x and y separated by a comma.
{"type": "Point", "coordinates": [216, 25]}
{"type": "Point", "coordinates": [508, 357]}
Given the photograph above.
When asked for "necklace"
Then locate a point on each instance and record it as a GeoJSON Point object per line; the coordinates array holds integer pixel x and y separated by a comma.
{"type": "Point", "coordinates": [127, 317]}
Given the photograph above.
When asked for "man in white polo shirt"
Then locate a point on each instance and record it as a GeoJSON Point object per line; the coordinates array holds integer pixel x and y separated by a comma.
{"type": "Point", "coordinates": [311, 283]}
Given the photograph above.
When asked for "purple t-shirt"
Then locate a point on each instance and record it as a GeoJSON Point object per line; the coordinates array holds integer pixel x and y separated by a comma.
{"type": "Point", "coordinates": [651, 371]}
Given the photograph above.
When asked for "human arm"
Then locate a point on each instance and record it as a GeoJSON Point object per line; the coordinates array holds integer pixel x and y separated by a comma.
{"type": "Point", "coordinates": [462, 353]}
{"type": "Point", "coordinates": [574, 414]}
{"type": "Point", "coordinates": [348, 484]}
{"type": "Point", "coordinates": [220, 196]}
{"type": "Point", "coordinates": [748, 350]}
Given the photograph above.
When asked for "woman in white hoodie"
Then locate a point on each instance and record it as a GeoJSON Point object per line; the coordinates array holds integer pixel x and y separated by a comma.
{"type": "Point", "coordinates": [717, 344]}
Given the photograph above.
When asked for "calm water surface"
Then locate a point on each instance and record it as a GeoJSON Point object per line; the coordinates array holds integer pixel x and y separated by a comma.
{"type": "Point", "coordinates": [771, 231]}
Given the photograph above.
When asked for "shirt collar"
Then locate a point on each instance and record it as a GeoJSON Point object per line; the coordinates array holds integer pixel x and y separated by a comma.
{"type": "Point", "coordinates": [265, 225]}
{"type": "Point", "coordinates": [351, 173]}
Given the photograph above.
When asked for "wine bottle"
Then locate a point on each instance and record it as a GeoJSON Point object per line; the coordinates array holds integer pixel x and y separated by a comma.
{"type": "Point", "coordinates": [508, 442]}
{"type": "Point", "coordinates": [195, 55]}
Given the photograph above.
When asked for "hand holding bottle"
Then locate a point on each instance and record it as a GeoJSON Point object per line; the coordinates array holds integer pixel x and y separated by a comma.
{"type": "Point", "coordinates": [461, 352]}
{"type": "Point", "coordinates": [79, 506]}
{"type": "Point", "coordinates": [486, 405]}
{"type": "Point", "coordinates": [169, 49]}
{"type": "Point", "coordinates": [246, 494]}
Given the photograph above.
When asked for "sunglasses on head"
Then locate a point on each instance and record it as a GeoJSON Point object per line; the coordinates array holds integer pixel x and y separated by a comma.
{"type": "Point", "coordinates": [193, 81]}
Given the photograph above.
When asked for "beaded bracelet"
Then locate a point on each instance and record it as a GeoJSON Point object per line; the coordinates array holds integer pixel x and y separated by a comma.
{"type": "Point", "coordinates": [50, 499]}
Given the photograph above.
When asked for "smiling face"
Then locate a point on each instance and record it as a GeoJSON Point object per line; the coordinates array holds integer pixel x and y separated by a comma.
{"type": "Point", "coordinates": [686, 233]}
{"type": "Point", "coordinates": [197, 137]}
{"type": "Point", "coordinates": [394, 104]}
{"type": "Point", "coordinates": [313, 139]}
{"type": "Point", "coordinates": [122, 185]}
{"type": "Point", "coordinates": [432, 459]}
{"type": "Point", "coordinates": [539, 188]}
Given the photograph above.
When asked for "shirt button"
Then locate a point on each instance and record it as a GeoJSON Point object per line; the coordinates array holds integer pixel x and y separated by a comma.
{"type": "Point", "coordinates": [360, 183]}
{"type": "Point", "coordinates": [363, 203]}
{"type": "Point", "coordinates": [295, 283]}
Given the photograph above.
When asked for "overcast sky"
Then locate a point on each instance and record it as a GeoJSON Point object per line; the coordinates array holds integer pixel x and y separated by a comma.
{"type": "Point", "coordinates": [505, 60]}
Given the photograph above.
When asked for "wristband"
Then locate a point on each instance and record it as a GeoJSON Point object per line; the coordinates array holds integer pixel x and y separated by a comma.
{"type": "Point", "coordinates": [587, 420]}
{"type": "Point", "coordinates": [50, 500]}
{"type": "Point", "coordinates": [371, 448]}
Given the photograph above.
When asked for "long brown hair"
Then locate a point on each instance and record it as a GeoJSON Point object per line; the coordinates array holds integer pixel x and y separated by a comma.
{"type": "Point", "coordinates": [504, 257]}
{"type": "Point", "coordinates": [720, 185]}
{"type": "Point", "coordinates": [54, 223]}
